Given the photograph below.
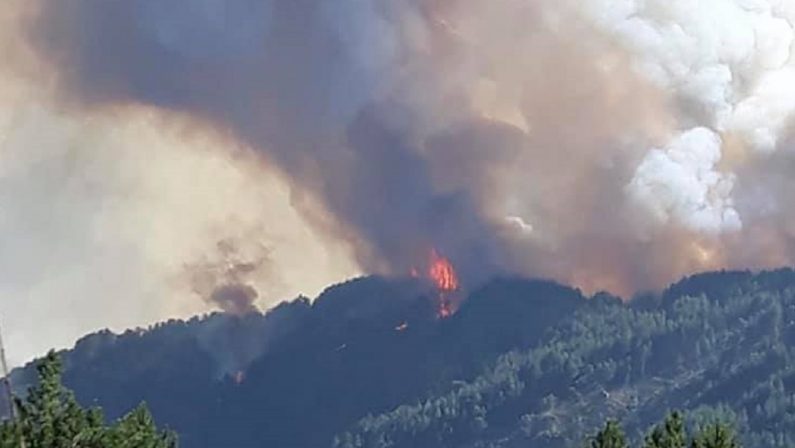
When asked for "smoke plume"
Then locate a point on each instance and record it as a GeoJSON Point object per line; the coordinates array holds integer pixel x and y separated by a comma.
{"type": "Point", "coordinates": [616, 145]}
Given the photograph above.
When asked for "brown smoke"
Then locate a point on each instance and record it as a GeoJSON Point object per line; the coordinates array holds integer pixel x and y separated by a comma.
{"type": "Point", "coordinates": [236, 299]}
{"type": "Point", "coordinates": [224, 278]}
{"type": "Point", "coordinates": [578, 140]}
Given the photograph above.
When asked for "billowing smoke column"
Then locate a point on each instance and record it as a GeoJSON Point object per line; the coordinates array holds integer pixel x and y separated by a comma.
{"type": "Point", "coordinates": [612, 144]}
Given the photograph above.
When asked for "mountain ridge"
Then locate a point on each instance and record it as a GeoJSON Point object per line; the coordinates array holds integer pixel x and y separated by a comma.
{"type": "Point", "coordinates": [309, 373]}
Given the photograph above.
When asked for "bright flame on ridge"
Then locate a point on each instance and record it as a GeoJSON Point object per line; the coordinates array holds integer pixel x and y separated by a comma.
{"type": "Point", "coordinates": [442, 273]}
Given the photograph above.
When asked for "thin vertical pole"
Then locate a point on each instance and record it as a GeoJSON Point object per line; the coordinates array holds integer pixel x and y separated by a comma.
{"type": "Point", "coordinates": [12, 408]}
{"type": "Point", "coordinates": [12, 411]}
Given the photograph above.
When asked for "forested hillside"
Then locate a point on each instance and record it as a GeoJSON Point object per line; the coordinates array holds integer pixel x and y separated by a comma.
{"type": "Point", "coordinates": [522, 363]}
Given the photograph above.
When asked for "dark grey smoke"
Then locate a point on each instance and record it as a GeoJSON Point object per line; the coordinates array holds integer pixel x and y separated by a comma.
{"type": "Point", "coordinates": [595, 144]}
{"type": "Point", "coordinates": [297, 80]}
{"type": "Point", "coordinates": [235, 299]}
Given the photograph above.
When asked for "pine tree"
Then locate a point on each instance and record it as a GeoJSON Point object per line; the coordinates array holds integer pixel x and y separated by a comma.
{"type": "Point", "coordinates": [138, 430]}
{"type": "Point", "coordinates": [611, 436]}
{"type": "Point", "coordinates": [715, 436]}
{"type": "Point", "coordinates": [670, 434]}
{"type": "Point", "coordinates": [51, 417]}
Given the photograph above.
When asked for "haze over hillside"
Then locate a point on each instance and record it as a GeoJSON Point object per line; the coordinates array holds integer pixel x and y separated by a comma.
{"type": "Point", "coordinates": [522, 363]}
{"type": "Point", "coordinates": [164, 159]}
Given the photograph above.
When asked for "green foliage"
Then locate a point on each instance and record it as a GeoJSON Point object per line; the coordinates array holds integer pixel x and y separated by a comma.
{"type": "Point", "coordinates": [670, 434]}
{"type": "Point", "coordinates": [611, 436]}
{"type": "Point", "coordinates": [715, 436]}
{"type": "Point", "coordinates": [521, 364]}
{"type": "Point", "coordinates": [719, 344]}
{"type": "Point", "coordinates": [50, 417]}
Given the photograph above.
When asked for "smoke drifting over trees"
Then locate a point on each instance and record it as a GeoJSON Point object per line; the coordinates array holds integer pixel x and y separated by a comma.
{"type": "Point", "coordinates": [634, 131]}
{"type": "Point", "coordinates": [613, 145]}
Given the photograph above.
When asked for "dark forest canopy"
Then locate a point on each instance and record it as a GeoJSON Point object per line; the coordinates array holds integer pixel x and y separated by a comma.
{"type": "Point", "coordinates": [522, 363]}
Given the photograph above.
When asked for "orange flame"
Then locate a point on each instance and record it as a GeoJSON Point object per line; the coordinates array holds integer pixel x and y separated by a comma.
{"type": "Point", "coordinates": [442, 273]}
{"type": "Point", "coordinates": [446, 307]}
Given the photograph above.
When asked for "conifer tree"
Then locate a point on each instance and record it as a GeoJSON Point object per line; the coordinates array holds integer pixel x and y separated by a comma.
{"type": "Point", "coordinates": [670, 434]}
{"type": "Point", "coordinates": [716, 435]}
{"type": "Point", "coordinates": [51, 417]}
{"type": "Point", "coordinates": [611, 436]}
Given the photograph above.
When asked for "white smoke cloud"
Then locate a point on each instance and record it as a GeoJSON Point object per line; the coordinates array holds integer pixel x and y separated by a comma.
{"type": "Point", "coordinates": [680, 184]}
{"type": "Point", "coordinates": [729, 67]}
{"type": "Point", "coordinates": [716, 55]}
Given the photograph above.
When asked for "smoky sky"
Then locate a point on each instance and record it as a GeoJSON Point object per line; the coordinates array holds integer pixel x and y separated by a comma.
{"type": "Point", "coordinates": [613, 145]}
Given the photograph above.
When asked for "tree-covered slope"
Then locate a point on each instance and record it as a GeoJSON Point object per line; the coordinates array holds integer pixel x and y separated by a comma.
{"type": "Point", "coordinates": [714, 344]}
{"type": "Point", "coordinates": [302, 372]}
{"type": "Point", "coordinates": [522, 363]}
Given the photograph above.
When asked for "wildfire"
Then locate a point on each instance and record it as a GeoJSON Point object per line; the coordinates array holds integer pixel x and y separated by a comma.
{"type": "Point", "coordinates": [442, 273]}
{"type": "Point", "coordinates": [446, 307]}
